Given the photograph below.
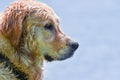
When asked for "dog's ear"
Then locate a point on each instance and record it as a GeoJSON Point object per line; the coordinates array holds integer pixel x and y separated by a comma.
{"type": "Point", "coordinates": [12, 22]}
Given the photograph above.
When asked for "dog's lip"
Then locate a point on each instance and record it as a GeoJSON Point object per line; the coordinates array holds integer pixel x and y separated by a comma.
{"type": "Point", "coordinates": [48, 58]}
{"type": "Point", "coordinates": [66, 55]}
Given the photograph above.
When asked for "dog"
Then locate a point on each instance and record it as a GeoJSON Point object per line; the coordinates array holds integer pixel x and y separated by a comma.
{"type": "Point", "coordinates": [29, 35]}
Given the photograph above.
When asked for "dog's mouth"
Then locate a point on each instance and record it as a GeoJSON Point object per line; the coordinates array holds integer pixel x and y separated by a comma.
{"type": "Point", "coordinates": [64, 56]}
{"type": "Point", "coordinates": [69, 53]}
{"type": "Point", "coordinates": [64, 53]}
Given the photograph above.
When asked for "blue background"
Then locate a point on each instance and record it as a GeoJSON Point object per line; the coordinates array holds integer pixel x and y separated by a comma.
{"type": "Point", "coordinates": [95, 24]}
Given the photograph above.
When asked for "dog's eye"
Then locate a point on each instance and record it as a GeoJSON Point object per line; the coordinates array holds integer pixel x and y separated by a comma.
{"type": "Point", "coordinates": [48, 27]}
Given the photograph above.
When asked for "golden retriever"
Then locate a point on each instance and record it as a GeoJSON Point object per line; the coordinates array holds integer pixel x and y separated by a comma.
{"type": "Point", "coordinates": [30, 34]}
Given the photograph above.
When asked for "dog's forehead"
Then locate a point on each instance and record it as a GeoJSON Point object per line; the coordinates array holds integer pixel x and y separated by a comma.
{"type": "Point", "coordinates": [37, 9]}
{"type": "Point", "coordinates": [43, 11]}
{"type": "Point", "coordinates": [49, 14]}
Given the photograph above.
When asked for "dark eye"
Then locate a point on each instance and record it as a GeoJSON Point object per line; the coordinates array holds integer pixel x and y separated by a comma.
{"type": "Point", "coordinates": [49, 27]}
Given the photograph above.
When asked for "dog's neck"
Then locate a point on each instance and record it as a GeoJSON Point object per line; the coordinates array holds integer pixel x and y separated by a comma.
{"type": "Point", "coordinates": [21, 58]}
{"type": "Point", "coordinates": [29, 59]}
{"type": "Point", "coordinates": [14, 70]}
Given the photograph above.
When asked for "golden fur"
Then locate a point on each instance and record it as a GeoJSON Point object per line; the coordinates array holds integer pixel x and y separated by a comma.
{"type": "Point", "coordinates": [26, 42]}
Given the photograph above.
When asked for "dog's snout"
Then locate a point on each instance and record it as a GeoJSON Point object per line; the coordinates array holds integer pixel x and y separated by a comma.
{"type": "Point", "coordinates": [74, 45]}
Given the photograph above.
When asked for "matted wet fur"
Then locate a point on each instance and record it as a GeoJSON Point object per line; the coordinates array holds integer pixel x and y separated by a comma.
{"type": "Point", "coordinates": [30, 34]}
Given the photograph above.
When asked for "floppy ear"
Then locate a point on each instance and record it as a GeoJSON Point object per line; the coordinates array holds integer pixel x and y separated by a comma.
{"type": "Point", "coordinates": [12, 21]}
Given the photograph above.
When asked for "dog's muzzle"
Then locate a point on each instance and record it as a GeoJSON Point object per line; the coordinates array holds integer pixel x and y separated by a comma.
{"type": "Point", "coordinates": [72, 46]}
{"type": "Point", "coordinates": [69, 53]}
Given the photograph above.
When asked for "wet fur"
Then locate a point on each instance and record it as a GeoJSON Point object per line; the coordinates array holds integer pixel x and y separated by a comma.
{"type": "Point", "coordinates": [24, 41]}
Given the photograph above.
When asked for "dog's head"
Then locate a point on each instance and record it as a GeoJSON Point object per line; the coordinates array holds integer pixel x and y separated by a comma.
{"type": "Point", "coordinates": [43, 36]}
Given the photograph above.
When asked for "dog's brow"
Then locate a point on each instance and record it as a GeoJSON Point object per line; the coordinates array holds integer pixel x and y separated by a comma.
{"type": "Point", "coordinates": [58, 21]}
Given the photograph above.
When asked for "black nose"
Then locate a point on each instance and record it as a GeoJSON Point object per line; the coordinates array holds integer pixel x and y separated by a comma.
{"type": "Point", "coordinates": [74, 45]}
